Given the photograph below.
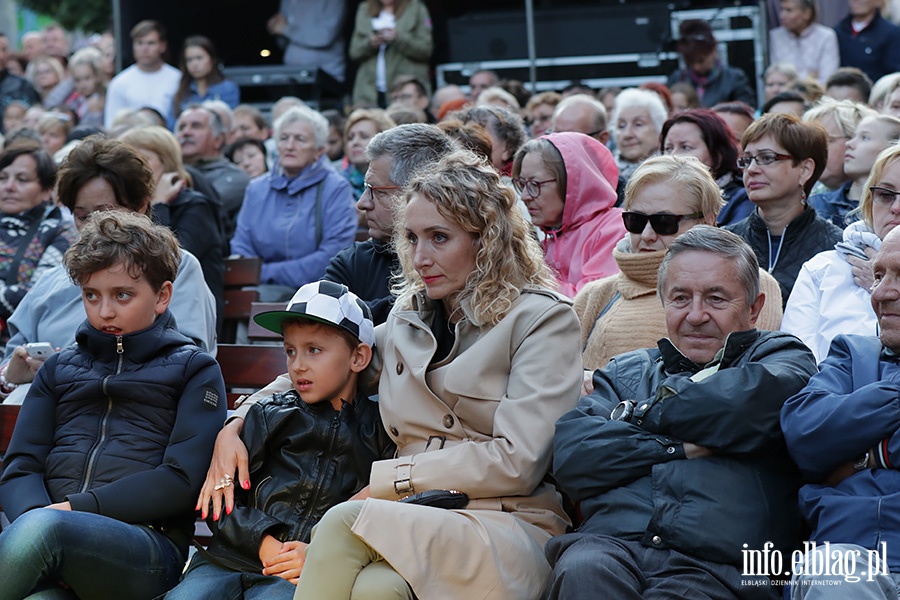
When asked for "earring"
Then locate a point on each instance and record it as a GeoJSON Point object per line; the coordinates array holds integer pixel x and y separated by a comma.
{"type": "Point", "coordinates": [802, 196]}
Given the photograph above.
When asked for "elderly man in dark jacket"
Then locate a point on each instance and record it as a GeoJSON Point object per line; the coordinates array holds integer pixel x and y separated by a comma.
{"type": "Point", "coordinates": [842, 429]}
{"type": "Point", "coordinates": [677, 458]}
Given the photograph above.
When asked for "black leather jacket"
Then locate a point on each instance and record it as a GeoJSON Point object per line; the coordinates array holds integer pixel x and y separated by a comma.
{"type": "Point", "coordinates": [304, 459]}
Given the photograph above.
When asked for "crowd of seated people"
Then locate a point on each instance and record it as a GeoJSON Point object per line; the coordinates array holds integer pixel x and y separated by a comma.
{"type": "Point", "coordinates": [442, 262]}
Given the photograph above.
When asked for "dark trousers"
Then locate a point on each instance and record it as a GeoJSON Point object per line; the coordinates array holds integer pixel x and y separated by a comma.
{"type": "Point", "coordinates": [597, 566]}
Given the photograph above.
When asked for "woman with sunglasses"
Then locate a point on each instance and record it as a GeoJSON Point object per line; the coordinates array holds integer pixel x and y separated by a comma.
{"type": "Point", "coordinates": [833, 291]}
{"type": "Point", "coordinates": [782, 158]}
{"type": "Point", "coordinates": [666, 196]}
{"type": "Point", "coordinates": [568, 184]}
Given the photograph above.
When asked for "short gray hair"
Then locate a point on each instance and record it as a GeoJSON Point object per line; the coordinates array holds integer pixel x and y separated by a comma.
{"type": "Point", "coordinates": [216, 126]}
{"type": "Point", "coordinates": [410, 147]}
{"type": "Point", "coordinates": [706, 238]}
{"type": "Point", "coordinates": [305, 114]}
{"type": "Point", "coordinates": [601, 119]}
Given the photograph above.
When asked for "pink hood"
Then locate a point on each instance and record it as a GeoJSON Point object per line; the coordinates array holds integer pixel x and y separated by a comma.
{"type": "Point", "coordinates": [580, 250]}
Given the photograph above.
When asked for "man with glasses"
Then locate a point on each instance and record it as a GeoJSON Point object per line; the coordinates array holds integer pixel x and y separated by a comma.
{"type": "Point", "coordinates": [677, 458]}
{"type": "Point", "coordinates": [410, 91]}
{"type": "Point", "coordinates": [394, 156]}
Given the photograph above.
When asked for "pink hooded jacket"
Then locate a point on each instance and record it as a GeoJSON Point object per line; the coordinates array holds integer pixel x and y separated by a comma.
{"type": "Point", "coordinates": [580, 250]}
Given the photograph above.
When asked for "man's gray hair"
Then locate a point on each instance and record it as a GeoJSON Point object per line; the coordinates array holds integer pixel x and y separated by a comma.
{"type": "Point", "coordinates": [410, 147]}
{"type": "Point", "coordinates": [706, 238]}
{"type": "Point", "coordinates": [216, 126]}
{"type": "Point", "coordinates": [304, 114]}
{"type": "Point", "coordinates": [601, 119]}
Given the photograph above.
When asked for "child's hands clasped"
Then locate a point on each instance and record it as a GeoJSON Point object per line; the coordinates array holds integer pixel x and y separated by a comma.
{"type": "Point", "coordinates": [283, 560]}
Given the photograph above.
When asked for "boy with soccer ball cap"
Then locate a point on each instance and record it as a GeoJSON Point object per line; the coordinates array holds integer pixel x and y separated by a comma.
{"type": "Point", "coordinates": [309, 447]}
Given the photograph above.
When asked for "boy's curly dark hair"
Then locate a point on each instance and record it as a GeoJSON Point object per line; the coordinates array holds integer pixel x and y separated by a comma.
{"type": "Point", "coordinates": [117, 236]}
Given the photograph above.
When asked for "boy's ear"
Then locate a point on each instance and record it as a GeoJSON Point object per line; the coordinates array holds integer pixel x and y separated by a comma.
{"type": "Point", "coordinates": [361, 358]}
{"type": "Point", "coordinates": [163, 297]}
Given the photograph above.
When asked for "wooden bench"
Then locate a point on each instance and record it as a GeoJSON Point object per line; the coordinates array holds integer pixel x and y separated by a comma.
{"type": "Point", "coordinates": [8, 415]}
{"type": "Point", "coordinates": [240, 273]}
{"type": "Point", "coordinates": [261, 335]}
{"type": "Point", "coordinates": [248, 368]}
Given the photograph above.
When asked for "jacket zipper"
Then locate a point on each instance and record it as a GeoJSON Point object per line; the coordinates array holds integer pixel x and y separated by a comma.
{"type": "Point", "coordinates": [104, 421]}
{"type": "Point", "coordinates": [335, 425]}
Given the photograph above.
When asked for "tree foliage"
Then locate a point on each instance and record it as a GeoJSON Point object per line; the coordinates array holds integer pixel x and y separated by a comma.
{"type": "Point", "coordinates": [87, 15]}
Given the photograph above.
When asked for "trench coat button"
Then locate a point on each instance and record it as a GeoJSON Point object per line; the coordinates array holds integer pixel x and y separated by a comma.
{"type": "Point", "coordinates": [394, 431]}
{"type": "Point", "coordinates": [656, 540]}
{"type": "Point", "coordinates": [448, 421]}
{"type": "Point", "coordinates": [670, 450]}
{"type": "Point", "coordinates": [399, 368]}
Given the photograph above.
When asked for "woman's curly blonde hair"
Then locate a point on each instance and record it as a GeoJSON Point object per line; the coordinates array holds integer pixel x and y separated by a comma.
{"type": "Point", "coordinates": [468, 191]}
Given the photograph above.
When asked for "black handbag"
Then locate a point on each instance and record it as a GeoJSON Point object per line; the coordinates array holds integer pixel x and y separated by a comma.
{"type": "Point", "coordinates": [448, 499]}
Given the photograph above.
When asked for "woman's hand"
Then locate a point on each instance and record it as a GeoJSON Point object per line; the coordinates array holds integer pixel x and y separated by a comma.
{"type": "Point", "coordinates": [862, 269]}
{"type": "Point", "coordinates": [229, 455]}
{"type": "Point", "coordinates": [375, 39]}
{"type": "Point", "coordinates": [22, 367]}
{"type": "Point", "coordinates": [588, 383]}
{"type": "Point", "coordinates": [168, 188]}
{"type": "Point", "coordinates": [288, 563]}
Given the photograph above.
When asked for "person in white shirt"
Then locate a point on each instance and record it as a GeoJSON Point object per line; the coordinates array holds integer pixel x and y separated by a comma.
{"type": "Point", "coordinates": [149, 82]}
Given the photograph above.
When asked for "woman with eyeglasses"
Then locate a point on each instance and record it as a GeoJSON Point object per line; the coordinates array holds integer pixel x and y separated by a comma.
{"type": "Point", "coordinates": [782, 158]}
{"type": "Point", "coordinates": [705, 135]}
{"type": "Point", "coordinates": [833, 291]}
{"type": "Point", "coordinates": [568, 184]}
{"type": "Point", "coordinates": [666, 196]}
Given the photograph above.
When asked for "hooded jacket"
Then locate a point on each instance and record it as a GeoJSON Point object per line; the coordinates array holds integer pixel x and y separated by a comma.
{"type": "Point", "coordinates": [580, 249]}
{"type": "Point", "coordinates": [121, 426]}
{"type": "Point", "coordinates": [278, 223]}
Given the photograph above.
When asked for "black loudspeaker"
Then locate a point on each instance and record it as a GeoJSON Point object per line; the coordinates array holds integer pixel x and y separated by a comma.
{"type": "Point", "coordinates": [639, 27]}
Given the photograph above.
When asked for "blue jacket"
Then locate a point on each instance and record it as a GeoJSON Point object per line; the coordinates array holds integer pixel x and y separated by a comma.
{"type": "Point", "coordinates": [834, 206]}
{"type": "Point", "coordinates": [226, 90]}
{"type": "Point", "coordinates": [849, 407]}
{"type": "Point", "coordinates": [875, 50]}
{"type": "Point", "coordinates": [277, 222]}
{"type": "Point", "coordinates": [632, 478]}
{"type": "Point", "coordinates": [121, 426]}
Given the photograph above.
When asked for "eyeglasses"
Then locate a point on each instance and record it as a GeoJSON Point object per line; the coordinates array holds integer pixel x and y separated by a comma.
{"type": "Point", "coordinates": [374, 189]}
{"type": "Point", "coordinates": [883, 196]}
{"type": "Point", "coordinates": [529, 186]}
{"type": "Point", "coordinates": [662, 223]}
{"type": "Point", "coordinates": [762, 159]}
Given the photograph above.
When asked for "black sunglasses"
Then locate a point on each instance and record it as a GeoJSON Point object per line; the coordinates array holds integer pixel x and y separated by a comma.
{"type": "Point", "coordinates": [662, 223]}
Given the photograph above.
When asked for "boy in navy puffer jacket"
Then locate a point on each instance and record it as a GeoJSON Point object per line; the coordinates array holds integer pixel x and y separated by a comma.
{"type": "Point", "coordinates": [114, 437]}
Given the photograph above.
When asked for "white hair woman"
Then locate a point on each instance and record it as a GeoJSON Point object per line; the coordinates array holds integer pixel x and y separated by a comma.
{"type": "Point", "coordinates": [300, 214]}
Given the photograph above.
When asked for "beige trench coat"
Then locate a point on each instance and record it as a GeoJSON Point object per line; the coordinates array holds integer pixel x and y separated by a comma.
{"type": "Point", "coordinates": [481, 421]}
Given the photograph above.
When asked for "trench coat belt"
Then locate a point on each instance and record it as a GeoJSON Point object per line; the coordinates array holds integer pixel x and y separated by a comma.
{"type": "Point", "coordinates": [435, 442]}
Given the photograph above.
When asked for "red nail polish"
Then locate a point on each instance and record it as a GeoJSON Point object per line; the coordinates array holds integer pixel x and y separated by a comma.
{"type": "Point", "coordinates": [245, 484]}
{"type": "Point", "coordinates": [215, 516]}
{"type": "Point", "coordinates": [228, 510]}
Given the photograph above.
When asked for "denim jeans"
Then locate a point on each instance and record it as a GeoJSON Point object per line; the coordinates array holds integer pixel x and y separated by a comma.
{"type": "Point", "coordinates": [93, 557]}
{"type": "Point", "coordinates": [204, 580]}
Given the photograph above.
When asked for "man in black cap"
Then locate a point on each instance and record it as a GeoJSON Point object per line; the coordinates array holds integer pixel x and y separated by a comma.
{"type": "Point", "coordinates": [714, 81]}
